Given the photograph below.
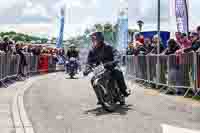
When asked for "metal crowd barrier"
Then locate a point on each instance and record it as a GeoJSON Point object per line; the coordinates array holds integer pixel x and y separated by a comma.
{"type": "Point", "coordinates": [197, 73]}
{"type": "Point", "coordinates": [10, 66]}
{"type": "Point", "coordinates": [51, 64]}
{"type": "Point", "coordinates": [33, 64]}
{"type": "Point", "coordinates": [176, 71]}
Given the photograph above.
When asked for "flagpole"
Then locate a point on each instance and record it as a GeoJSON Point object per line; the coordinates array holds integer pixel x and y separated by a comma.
{"type": "Point", "coordinates": [158, 47]}
{"type": "Point", "coordinates": [187, 16]}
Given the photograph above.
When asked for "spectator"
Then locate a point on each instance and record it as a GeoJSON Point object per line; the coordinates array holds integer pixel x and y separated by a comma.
{"type": "Point", "coordinates": [175, 75]}
{"type": "Point", "coordinates": [198, 31]}
{"type": "Point", "coordinates": [195, 43]}
{"type": "Point", "coordinates": [36, 50]}
{"type": "Point", "coordinates": [23, 62]}
{"type": "Point", "coordinates": [5, 45]}
{"type": "Point", "coordinates": [178, 37]}
{"type": "Point", "coordinates": [139, 38]}
{"type": "Point", "coordinates": [184, 79]}
{"type": "Point", "coordinates": [30, 48]}
{"type": "Point", "coordinates": [184, 42]}
{"type": "Point", "coordinates": [155, 42]}
{"type": "Point", "coordinates": [148, 45]}
{"type": "Point", "coordinates": [172, 47]}
{"type": "Point", "coordinates": [137, 48]}
{"type": "Point", "coordinates": [130, 48]}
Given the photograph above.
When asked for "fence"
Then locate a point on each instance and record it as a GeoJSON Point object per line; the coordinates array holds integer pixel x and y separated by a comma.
{"type": "Point", "coordinates": [11, 65]}
{"type": "Point", "coordinates": [175, 71]}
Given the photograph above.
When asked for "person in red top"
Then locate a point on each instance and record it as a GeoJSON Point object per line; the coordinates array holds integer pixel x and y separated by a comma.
{"type": "Point", "coordinates": [184, 41]}
{"type": "Point", "coordinates": [139, 38]}
{"type": "Point", "coordinates": [178, 37]}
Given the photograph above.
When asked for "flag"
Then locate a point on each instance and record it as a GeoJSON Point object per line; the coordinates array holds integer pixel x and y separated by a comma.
{"type": "Point", "coordinates": [62, 23]}
{"type": "Point", "coordinates": [181, 10]}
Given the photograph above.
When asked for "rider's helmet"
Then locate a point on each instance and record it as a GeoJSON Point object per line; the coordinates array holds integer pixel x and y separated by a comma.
{"type": "Point", "coordinates": [97, 39]}
{"type": "Point", "coordinates": [97, 36]}
{"type": "Point", "coordinates": [72, 47]}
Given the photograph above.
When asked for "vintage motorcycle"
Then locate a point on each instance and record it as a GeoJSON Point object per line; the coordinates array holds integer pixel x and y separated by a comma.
{"type": "Point", "coordinates": [106, 89]}
{"type": "Point", "coordinates": [72, 67]}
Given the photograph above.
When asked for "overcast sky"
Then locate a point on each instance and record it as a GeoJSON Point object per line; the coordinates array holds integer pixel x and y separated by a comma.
{"type": "Point", "coordinates": [41, 16]}
{"type": "Point", "coordinates": [146, 10]}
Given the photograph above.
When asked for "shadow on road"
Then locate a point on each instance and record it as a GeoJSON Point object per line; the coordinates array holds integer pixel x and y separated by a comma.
{"type": "Point", "coordinates": [71, 78]}
{"type": "Point", "coordinates": [120, 110]}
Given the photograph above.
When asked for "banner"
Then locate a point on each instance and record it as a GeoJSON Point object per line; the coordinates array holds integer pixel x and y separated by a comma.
{"type": "Point", "coordinates": [122, 31]}
{"type": "Point", "coordinates": [181, 9]}
{"type": "Point", "coordinates": [62, 23]}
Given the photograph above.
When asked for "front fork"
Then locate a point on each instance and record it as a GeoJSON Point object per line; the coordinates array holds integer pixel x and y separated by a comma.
{"type": "Point", "coordinates": [98, 91]}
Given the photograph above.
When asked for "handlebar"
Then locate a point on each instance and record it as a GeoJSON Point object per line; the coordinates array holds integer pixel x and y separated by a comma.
{"type": "Point", "coordinates": [90, 68]}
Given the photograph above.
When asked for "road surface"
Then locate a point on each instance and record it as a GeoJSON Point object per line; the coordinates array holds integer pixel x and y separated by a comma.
{"type": "Point", "coordinates": [61, 105]}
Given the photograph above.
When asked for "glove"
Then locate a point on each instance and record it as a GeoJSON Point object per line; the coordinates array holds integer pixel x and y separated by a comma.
{"type": "Point", "coordinates": [109, 66]}
{"type": "Point", "coordinates": [85, 73]}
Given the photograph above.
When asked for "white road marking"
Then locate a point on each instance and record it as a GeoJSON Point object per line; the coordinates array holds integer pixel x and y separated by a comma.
{"type": "Point", "coordinates": [172, 129]}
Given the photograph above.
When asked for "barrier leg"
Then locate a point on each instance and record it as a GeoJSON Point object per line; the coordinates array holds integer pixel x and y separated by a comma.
{"type": "Point", "coordinates": [4, 84]}
{"type": "Point", "coordinates": [170, 89]}
{"type": "Point", "coordinates": [187, 92]}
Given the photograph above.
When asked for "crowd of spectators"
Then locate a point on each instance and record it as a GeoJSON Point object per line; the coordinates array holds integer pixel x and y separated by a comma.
{"type": "Point", "coordinates": [9, 47]}
{"type": "Point", "coordinates": [182, 43]}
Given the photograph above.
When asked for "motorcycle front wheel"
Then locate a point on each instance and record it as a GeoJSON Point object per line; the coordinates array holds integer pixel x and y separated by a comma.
{"type": "Point", "coordinates": [106, 100]}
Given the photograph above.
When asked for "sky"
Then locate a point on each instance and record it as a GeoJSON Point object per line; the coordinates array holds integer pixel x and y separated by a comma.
{"type": "Point", "coordinates": [41, 17]}
{"type": "Point", "coordinates": [146, 10]}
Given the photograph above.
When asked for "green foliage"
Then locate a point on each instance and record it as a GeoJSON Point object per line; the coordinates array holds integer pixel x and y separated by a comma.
{"type": "Point", "coordinates": [22, 37]}
{"type": "Point", "coordinates": [110, 33]}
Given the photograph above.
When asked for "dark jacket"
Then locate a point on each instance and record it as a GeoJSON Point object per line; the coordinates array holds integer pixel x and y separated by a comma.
{"type": "Point", "coordinates": [5, 46]}
{"type": "Point", "coordinates": [129, 51]}
{"type": "Point", "coordinates": [172, 50]}
{"type": "Point", "coordinates": [148, 48]}
{"type": "Point", "coordinates": [195, 46]}
{"type": "Point", "coordinates": [23, 61]}
{"type": "Point", "coordinates": [154, 50]}
{"type": "Point", "coordinates": [36, 51]}
{"type": "Point", "coordinates": [73, 53]}
{"type": "Point", "coordinates": [104, 54]}
{"type": "Point", "coordinates": [142, 50]}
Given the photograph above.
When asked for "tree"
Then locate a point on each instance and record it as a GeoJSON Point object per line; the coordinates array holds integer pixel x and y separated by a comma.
{"type": "Point", "coordinates": [140, 23]}
{"type": "Point", "coordinates": [98, 27]}
{"type": "Point", "coordinates": [19, 38]}
{"type": "Point", "coordinates": [108, 27]}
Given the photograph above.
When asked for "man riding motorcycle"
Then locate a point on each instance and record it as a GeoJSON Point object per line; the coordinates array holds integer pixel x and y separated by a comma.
{"type": "Point", "coordinates": [102, 53]}
{"type": "Point", "coordinates": [73, 52]}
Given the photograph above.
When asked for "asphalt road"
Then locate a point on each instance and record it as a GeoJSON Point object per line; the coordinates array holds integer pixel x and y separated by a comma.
{"type": "Point", "coordinates": [60, 105]}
